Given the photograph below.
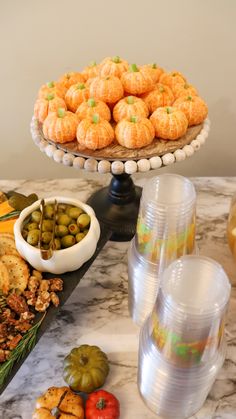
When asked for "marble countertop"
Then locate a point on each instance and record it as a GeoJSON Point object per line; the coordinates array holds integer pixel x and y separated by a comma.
{"type": "Point", "coordinates": [97, 312]}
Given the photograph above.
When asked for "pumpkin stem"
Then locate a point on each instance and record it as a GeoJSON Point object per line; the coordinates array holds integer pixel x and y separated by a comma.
{"type": "Point", "coordinates": [189, 98]}
{"type": "Point", "coordinates": [186, 86]}
{"type": "Point", "coordinates": [154, 65]}
{"type": "Point", "coordinates": [50, 84]}
{"type": "Point", "coordinates": [50, 96]}
{"type": "Point", "coordinates": [134, 119]}
{"type": "Point", "coordinates": [91, 102]}
{"type": "Point", "coordinates": [55, 412]}
{"type": "Point", "coordinates": [101, 404]}
{"type": "Point", "coordinates": [168, 110]}
{"type": "Point", "coordinates": [116, 59]}
{"type": "Point", "coordinates": [95, 118]}
{"type": "Point", "coordinates": [130, 100]}
{"type": "Point", "coordinates": [92, 64]}
{"type": "Point", "coordinates": [83, 360]}
{"type": "Point", "coordinates": [161, 89]}
{"type": "Point", "coordinates": [81, 86]}
{"type": "Point", "coordinates": [133, 68]}
{"type": "Point", "coordinates": [61, 112]}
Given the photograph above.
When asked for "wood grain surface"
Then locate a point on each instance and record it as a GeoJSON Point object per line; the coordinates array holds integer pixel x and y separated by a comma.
{"type": "Point", "coordinates": [115, 151]}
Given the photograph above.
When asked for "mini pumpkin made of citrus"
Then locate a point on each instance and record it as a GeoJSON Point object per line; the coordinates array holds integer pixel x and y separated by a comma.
{"type": "Point", "coordinates": [160, 96]}
{"type": "Point", "coordinates": [153, 70]}
{"type": "Point", "coordinates": [50, 103]}
{"type": "Point", "coordinates": [109, 89]}
{"type": "Point", "coordinates": [134, 132]}
{"type": "Point", "coordinates": [169, 123]}
{"type": "Point", "coordinates": [136, 80]}
{"type": "Point", "coordinates": [95, 133]}
{"type": "Point", "coordinates": [172, 78]}
{"type": "Point", "coordinates": [68, 79]}
{"type": "Point", "coordinates": [91, 106]}
{"type": "Point", "coordinates": [193, 107]}
{"type": "Point", "coordinates": [180, 89]}
{"type": "Point", "coordinates": [75, 95]}
{"type": "Point", "coordinates": [113, 66]}
{"type": "Point", "coordinates": [86, 368]}
{"type": "Point", "coordinates": [92, 70]}
{"type": "Point", "coordinates": [59, 402]}
{"type": "Point", "coordinates": [128, 106]}
{"type": "Point", "coordinates": [52, 87]}
{"type": "Point", "coordinates": [60, 126]}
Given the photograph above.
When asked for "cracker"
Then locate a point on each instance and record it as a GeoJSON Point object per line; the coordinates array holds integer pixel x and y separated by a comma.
{"type": "Point", "coordinates": [7, 245]}
{"type": "Point", "coordinates": [18, 271]}
{"type": "Point", "coordinates": [4, 279]}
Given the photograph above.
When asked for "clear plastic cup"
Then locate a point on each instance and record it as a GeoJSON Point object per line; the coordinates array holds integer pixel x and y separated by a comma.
{"type": "Point", "coordinates": [166, 221]}
{"type": "Point", "coordinates": [182, 342]}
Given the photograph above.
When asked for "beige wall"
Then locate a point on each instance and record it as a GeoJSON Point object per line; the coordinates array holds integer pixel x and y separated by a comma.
{"type": "Point", "coordinates": [40, 40]}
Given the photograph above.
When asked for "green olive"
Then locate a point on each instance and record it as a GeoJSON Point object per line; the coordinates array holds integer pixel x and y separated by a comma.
{"type": "Point", "coordinates": [68, 241]}
{"type": "Point", "coordinates": [33, 226]}
{"type": "Point", "coordinates": [85, 231]}
{"type": "Point", "coordinates": [61, 208]}
{"type": "Point", "coordinates": [79, 237]}
{"type": "Point", "coordinates": [73, 229]}
{"type": "Point", "coordinates": [33, 237]}
{"type": "Point", "coordinates": [24, 234]}
{"type": "Point", "coordinates": [46, 237]}
{"type": "Point", "coordinates": [48, 211]}
{"type": "Point", "coordinates": [47, 225]}
{"type": "Point", "coordinates": [35, 216]}
{"type": "Point", "coordinates": [75, 212]}
{"type": "Point", "coordinates": [57, 244]}
{"type": "Point", "coordinates": [83, 221]}
{"type": "Point", "coordinates": [64, 219]}
{"type": "Point", "coordinates": [68, 207]}
{"type": "Point", "coordinates": [61, 231]}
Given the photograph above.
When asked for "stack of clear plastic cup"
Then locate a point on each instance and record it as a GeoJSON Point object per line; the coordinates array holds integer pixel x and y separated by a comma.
{"type": "Point", "coordinates": [165, 231]}
{"type": "Point", "coordinates": [182, 344]}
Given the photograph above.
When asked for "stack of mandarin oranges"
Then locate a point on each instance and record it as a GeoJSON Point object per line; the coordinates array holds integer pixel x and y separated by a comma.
{"type": "Point", "coordinates": [115, 101]}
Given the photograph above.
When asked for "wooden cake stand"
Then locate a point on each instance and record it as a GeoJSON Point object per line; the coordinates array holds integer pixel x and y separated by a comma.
{"type": "Point", "coordinates": [117, 205]}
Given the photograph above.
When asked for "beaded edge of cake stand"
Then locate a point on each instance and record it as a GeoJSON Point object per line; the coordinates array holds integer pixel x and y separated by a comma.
{"type": "Point", "coordinates": [118, 167]}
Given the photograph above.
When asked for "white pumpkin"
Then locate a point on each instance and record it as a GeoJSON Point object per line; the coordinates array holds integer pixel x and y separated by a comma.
{"type": "Point", "coordinates": [63, 260]}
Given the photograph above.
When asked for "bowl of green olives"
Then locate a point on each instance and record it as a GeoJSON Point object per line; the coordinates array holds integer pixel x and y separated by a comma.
{"type": "Point", "coordinates": [76, 233]}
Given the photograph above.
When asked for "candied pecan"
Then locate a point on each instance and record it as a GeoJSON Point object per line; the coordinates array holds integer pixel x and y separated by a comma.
{"type": "Point", "coordinates": [3, 345]}
{"type": "Point", "coordinates": [44, 285]}
{"type": "Point", "coordinates": [23, 326]}
{"type": "Point", "coordinates": [27, 315]}
{"type": "Point", "coordinates": [37, 274]}
{"type": "Point", "coordinates": [33, 283]}
{"type": "Point", "coordinates": [2, 355]}
{"type": "Point", "coordinates": [29, 294]}
{"type": "Point", "coordinates": [14, 341]}
{"type": "Point", "coordinates": [17, 303]}
{"type": "Point", "coordinates": [3, 330]}
{"type": "Point", "coordinates": [56, 284]}
{"type": "Point", "coordinates": [43, 301]}
{"type": "Point", "coordinates": [54, 299]}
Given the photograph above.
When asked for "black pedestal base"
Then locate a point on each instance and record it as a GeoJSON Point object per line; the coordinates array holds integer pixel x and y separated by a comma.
{"type": "Point", "coordinates": [117, 206]}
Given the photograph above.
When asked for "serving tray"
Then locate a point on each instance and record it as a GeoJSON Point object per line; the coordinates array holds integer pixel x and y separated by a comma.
{"type": "Point", "coordinates": [70, 281]}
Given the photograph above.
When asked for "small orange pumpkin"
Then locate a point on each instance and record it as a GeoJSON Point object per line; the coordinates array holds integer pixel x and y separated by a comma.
{"type": "Point", "coordinates": [154, 71]}
{"type": "Point", "coordinates": [160, 96]}
{"type": "Point", "coordinates": [71, 78]}
{"type": "Point", "coordinates": [87, 109]}
{"type": "Point", "coordinates": [170, 123]}
{"type": "Point", "coordinates": [128, 106]}
{"type": "Point", "coordinates": [51, 103]}
{"type": "Point", "coordinates": [92, 70]}
{"type": "Point", "coordinates": [108, 89]}
{"type": "Point", "coordinates": [60, 126]}
{"type": "Point", "coordinates": [193, 107]}
{"type": "Point", "coordinates": [75, 95]}
{"type": "Point", "coordinates": [134, 132]}
{"type": "Point", "coordinates": [95, 133]}
{"type": "Point", "coordinates": [137, 81]}
{"type": "Point", "coordinates": [172, 78]}
{"type": "Point", "coordinates": [113, 66]}
{"type": "Point", "coordinates": [180, 89]}
{"type": "Point", "coordinates": [51, 87]}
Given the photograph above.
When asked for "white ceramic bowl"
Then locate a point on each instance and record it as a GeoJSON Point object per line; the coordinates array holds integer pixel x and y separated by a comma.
{"type": "Point", "coordinates": [63, 260]}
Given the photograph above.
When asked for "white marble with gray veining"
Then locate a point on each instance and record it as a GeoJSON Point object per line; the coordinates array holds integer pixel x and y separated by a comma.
{"type": "Point", "coordinates": [97, 312]}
